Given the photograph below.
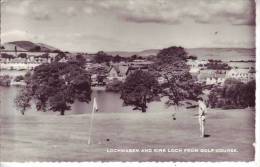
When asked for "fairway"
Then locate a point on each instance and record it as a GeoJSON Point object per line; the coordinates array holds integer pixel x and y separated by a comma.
{"type": "Point", "coordinates": [50, 137]}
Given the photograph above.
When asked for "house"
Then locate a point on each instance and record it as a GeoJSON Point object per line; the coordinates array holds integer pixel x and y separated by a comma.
{"type": "Point", "coordinates": [243, 75]}
{"type": "Point", "coordinates": [212, 77]}
{"type": "Point", "coordinates": [217, 79]}
{"type": "Point", "coordinates": [141, 62]}
{"type": "Point", "coordinates": [132, 69]}
{"type": "Point", "coordinates": [192, 63]}
{"type": "Point", "coordinates": [161, 80]}
{"type": "Point", "coordinates": [117, 72]}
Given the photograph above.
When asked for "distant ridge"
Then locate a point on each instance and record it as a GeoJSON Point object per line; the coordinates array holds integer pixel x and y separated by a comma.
{"type": "Point", "coordinates": [199, 52]}
{"type": "Point", "coordinates": [143, 53]}
{"type": "Point", "coordinates": [28, 46]}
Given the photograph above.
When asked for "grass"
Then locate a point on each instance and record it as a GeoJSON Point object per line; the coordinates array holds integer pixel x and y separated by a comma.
{"type": "Point", "coordinates": [50, 137]}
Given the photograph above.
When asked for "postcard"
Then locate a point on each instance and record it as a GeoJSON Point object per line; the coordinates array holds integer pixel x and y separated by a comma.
{"type": "Point", "coordinates": [128, 81]}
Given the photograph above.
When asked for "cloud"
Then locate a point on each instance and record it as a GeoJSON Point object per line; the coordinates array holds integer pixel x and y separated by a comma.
{"type": "Point", "coordinates": [176, 11]}
{"type": "Point", "coordinates": [236, 12]}
{"type": "Point", "coordinates": [17, 7]}
{"type": "Point", "coordinates": [93, 42]}
{"type": "Point", "coordinates": [40, 13]}
{"type": "Point", "coordinates": [34, 9]}
{"type": "Point", "coordinates": [16, 35]}
{"type": "Point", "coordinates": [70, 11]}
{"type": "Point", "coordinates": [234, 43]}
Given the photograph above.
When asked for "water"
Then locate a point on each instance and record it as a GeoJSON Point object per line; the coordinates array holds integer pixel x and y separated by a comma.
{"type": "Point", "coordinates": [107, 102]}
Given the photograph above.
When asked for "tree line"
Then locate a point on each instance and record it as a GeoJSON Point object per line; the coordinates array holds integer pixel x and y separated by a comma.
{"type": "Point", "coordinates": [234, 94]}
{"type": "Point", "coordinates": [55, 86]}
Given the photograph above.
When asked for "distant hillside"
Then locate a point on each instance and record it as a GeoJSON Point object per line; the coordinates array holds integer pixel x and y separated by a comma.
{"type": "Point", "coordinates": [28, 46]}
{"type": "Point", "coordinates": [143, 53]}
{"type": "Point", "coordinates": [10, 46]}
{"type": "Point", "coordinates": [225, 54]}
{"type": "Point", "coordinates": [46, 47]}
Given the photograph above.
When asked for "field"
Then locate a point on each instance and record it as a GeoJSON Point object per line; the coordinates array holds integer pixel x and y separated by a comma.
{"type": "Point", "coordinates": [50, 137]}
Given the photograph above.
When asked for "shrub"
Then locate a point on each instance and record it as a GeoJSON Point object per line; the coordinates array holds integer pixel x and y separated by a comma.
{"type": "Point", "coordinates": [19, 78]}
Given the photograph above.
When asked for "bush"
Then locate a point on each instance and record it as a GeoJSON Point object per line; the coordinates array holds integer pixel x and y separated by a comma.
{"type": "Point", "coordinates": [22, 55]}
{"type": "Point", "coordinates": [5, 80]}
{"type": "Point", "coordinates": [19, 78]}
{"type": "Point", "coordinates": [220, 104]}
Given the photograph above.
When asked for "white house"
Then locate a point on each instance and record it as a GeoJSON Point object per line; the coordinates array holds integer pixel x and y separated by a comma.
{"type": "Point", "coordinates": [117, 72]}
{"type": "Point", "coordinates": [161, 80]}
{"type": "Point", "coordinates": [18, 65]}
{"type": "Point", "coordinates": [209, 76]}
{"type": "Point", "coordinates": [196, 65]}
{"type": "Point", "coordinates": [217, 79]}
{"type": "Point", "coordinates": [243, 75]}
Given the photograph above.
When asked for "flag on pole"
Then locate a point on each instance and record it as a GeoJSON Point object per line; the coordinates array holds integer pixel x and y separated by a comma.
{"type": "Point", "coordinates": [94, 109]}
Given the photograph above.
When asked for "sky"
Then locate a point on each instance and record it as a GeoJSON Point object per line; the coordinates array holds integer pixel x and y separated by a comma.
{"type": "Point", "coordinates": [129, 25]}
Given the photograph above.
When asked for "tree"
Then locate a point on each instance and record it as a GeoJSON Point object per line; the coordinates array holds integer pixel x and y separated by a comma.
{"type": "Point", "coordinates": [35, 49]}
{"type": "Point", "coordinates": [19, 78]}
{"type": "Point", "coordinates": [234, 94]}
{"type": "Point", "coordinates": [45, 56]}
{"type": "Point", "coordinates": [22, 55]}
{"type": "Point", "coordinates": [55, 86]}
{"type": "Point", "coordinates": [102, 57]}
{"type": "Point", "coordinates": [139, 89]}
{"type": "Point", "coordinates": [180, 87]}
{"type": "Point", "coordinates": [133, 57]}
{"type": "Point", "coordinates": [7, 56]}
{"type": "Point", "coordinates": [117, 59]}
{"type": "Point", "coordinates": [172, 55]}
{"type": "Point", "coordinates": [78, 60]}
{"type": "Point", "coordinates": [249, 93]}
{"type": "Point", "coordinates": [193, 57]}
{"type": "Point", "coordinates": [171, 63]}
{"type": "Point", "coordinates": [60, 56]}
{"type": "Point", "coordinates": [22, 101]}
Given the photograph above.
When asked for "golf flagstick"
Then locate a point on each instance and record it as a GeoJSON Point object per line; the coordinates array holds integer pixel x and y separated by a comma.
{"type": "Point", "coordinates": [91, 119]}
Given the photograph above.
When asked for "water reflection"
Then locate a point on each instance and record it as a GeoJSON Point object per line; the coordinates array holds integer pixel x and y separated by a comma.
{"type": "Point", "coordinates": [107, 102]}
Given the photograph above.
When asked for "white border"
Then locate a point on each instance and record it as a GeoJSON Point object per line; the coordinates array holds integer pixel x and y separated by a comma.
{"type": "Point", "coordinates": [257, 116]}
{"type": "Point", "coordinates": [176, 164]}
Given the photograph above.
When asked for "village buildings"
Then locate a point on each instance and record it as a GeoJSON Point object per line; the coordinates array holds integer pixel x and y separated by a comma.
{"type": "Point", "coordinates": [243, 75]}
{"type": "Point", "coordinates": [102, 73]}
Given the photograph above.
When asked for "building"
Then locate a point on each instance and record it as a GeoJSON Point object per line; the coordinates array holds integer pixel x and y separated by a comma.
{"type": "Point", "coordinates": [140, 62]}
{"type": "Point", "coordinates": [28, 53]}
{"type": "Point", "coordinates": [217, 79]}
{"type": "Point", "coordinates": [132, 69]}
{"type": "Point", "coordinates": [161, 80]}
{"type": "Point", "coordinates": [117, 72]}
{"type": "Point", "coordinates": [212, 77]}
{"type": "Point", "coordinates": [243, 75]}
{"type": "Point", "coordinates": [196, 65]}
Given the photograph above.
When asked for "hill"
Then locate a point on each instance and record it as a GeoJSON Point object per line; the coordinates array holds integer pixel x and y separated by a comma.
{"type": "Point", "coordinates": [28, 46]}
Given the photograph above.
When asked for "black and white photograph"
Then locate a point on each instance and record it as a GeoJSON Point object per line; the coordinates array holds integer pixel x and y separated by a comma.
{"type": "Point", "coordinates": [128, 81]}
